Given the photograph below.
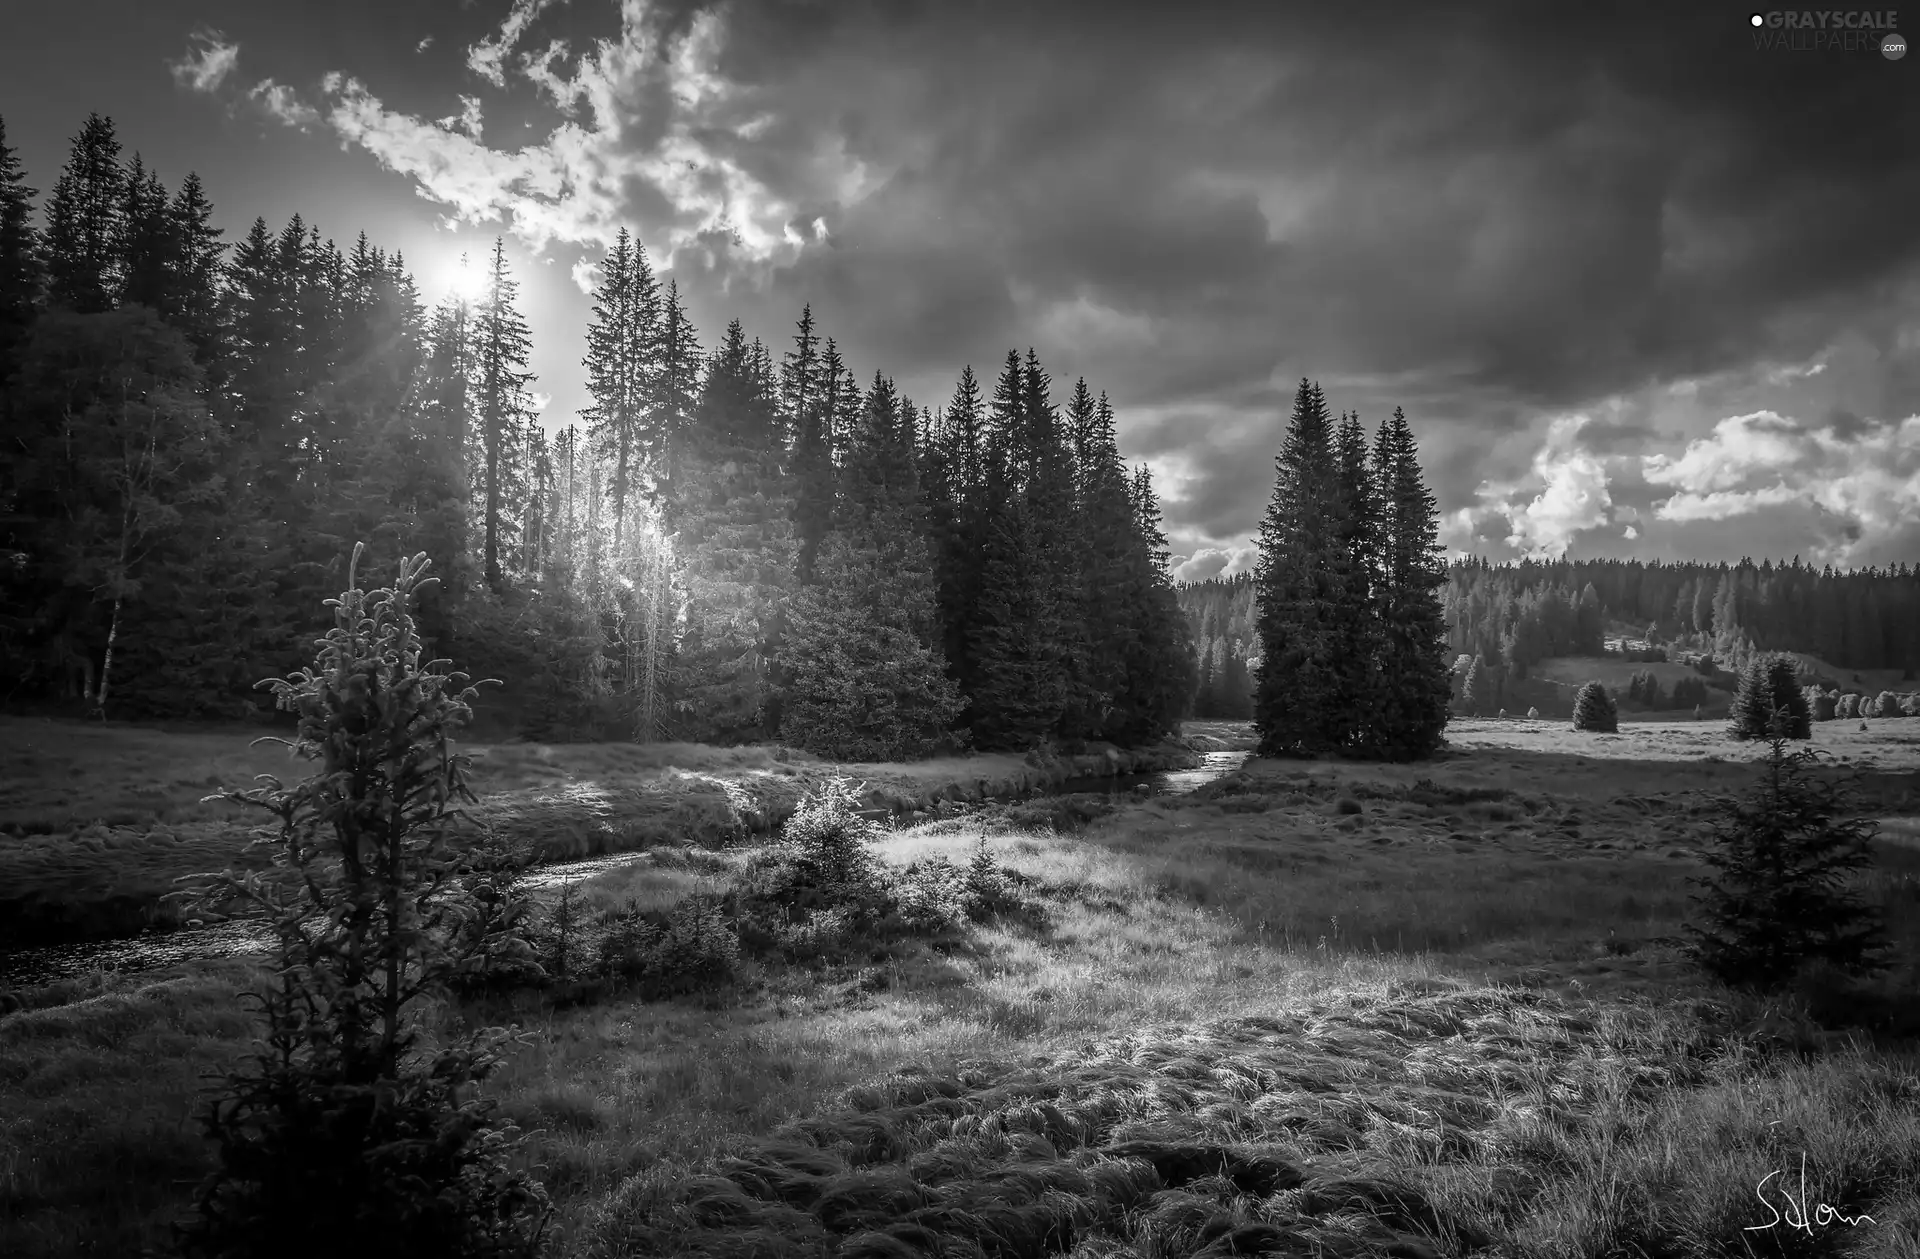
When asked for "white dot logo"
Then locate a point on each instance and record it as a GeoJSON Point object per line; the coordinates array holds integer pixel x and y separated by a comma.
{"type": "Point", "coordinates": [1758, 19]}
{"type": "Point", "coordinates": [1893, 48]}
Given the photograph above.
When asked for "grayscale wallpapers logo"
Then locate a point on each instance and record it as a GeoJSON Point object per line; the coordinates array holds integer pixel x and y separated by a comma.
{"type": "Point", "coordinates": [1830, 30]}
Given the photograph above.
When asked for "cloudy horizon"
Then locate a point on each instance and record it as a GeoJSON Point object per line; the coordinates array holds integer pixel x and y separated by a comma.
{"type": "Point", "coordinates": [1643, 288]}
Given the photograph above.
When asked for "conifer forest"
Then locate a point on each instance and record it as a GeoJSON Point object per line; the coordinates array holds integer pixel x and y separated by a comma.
{"type": "Point", "coordinates": [775, 629]}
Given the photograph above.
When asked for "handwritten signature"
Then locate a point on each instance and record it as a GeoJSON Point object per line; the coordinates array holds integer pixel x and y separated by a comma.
{"type": "Point", "coordinates": [1798, 1215]}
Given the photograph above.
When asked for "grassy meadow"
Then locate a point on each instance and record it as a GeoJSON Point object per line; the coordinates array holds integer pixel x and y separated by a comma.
{"type": "Point", "coordinates": [96, 822]}
{"type": "Point", "coordinates": [1312, 1009]}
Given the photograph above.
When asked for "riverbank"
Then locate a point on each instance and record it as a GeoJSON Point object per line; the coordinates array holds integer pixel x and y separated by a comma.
{"type": "Point", "coordinates": [78, 874]}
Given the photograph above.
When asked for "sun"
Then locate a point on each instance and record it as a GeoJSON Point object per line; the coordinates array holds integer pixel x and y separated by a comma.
{"type": "Point", "coordinates": [463, 278]}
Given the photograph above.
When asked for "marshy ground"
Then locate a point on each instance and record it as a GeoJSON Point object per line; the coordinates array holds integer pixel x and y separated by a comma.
{"type": "Point", "coordinates": [1312, 1009]}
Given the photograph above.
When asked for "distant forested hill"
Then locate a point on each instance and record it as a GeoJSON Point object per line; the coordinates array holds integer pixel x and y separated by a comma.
{"type": "Point", "coordinates": [1513, 616]}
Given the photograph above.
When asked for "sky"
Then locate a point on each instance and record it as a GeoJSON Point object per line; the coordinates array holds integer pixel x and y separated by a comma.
{"type": "Point", "coordinates": [1643, 286]}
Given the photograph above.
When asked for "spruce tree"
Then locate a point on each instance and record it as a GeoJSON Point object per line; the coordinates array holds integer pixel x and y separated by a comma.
{"type": "Point", "coordinates": [1595, 710]}
{"type": "Point", "coordinates": [1414, 686]}
{"type": "Point", "coordinates": [807, 388]}
{"type": "Point", "coordinates": [1052, 491]}
{"type": "Point", "coordinates": [1355, 623]}
{"type": "Point", "coordinates": [20, 274]}
{"type": "Point", "coordinates": [146, 261]}
{"type": "Point", "coordinates": [958, 512]}
{"type": "Point", "coordinates": [1020, 686]}
{"type": "Point", "coordinates": [1768, 685]}
{"type": "Point", "coordinates": [1297, 709]}
{"type": "Point", "coordinates": [84, 223]}
{"type": "Point", "coordinates": [733, 521]}
{"type": "Point", "coordinates": [868, 681]}
{"type": "Point", "coordinates": [1160, 646]}
{"type": "Point", "coordinates": [622, 337]}
{"type": "Point", "coordinates": [1784, 857]}
{"type": "Point", "coordinates": [501, 345]}
{"type": "Point", "coordinates": [351, 1128]}
{"type": "Point", "coordinates": [1114, 572]}
{"type": "Point", "coordinates": [674, 391]}
{"type": "Point", "coordinates": [195, 299]}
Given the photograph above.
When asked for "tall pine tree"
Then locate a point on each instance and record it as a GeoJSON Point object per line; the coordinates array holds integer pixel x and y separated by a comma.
{"type": "Point", "coordinates": [622, 339]}
{"type": "Point", "coordinates": [84, 223]}
{"type": "Point", "coordinates": [1298, 708]}
{"type": "Point", "coordinates": [502, 343]}
{"type": "Point", "coordinates": [1414, 682]}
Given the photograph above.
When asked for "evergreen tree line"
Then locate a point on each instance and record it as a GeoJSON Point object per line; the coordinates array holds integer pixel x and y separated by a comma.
{"type": "Point", "coordinates": [1353, 645]}
{"type": "Point", "coordinates": [1220, 617]}
{"type": "Point", "coordinates": [1521, 613]}
{"type": "Point", "coordinates": [726, 548]}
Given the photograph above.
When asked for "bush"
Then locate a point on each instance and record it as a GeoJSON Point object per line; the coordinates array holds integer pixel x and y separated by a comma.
{"type": "Point", "coordinates": [1783, 856]}
{"type": "Point", "coordinates": [345, 1133]}
{"type": "Point", "coordinates": [1885, 704]}
{"type": "Point", "coordinates": [1594, 709]}
{"type": "Point", "coordinates": [1823, 706]}
{"type": "Point", "coordinates": [1533, 714]}
{"type": "Point", "coordinates": [821, 889]}
{"type": "Point", "coordinates": [1910, 705]}
{"type": "Point", "coordinates": [1847, 706]}
{"type": "Point", "coordinates": [1769, 685]}
{"type": "Point", "coordinates": [691, 947]}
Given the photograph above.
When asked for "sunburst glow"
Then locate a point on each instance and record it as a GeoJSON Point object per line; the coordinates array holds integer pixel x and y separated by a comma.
{"type": "Point", "coordinates": [463, 278]}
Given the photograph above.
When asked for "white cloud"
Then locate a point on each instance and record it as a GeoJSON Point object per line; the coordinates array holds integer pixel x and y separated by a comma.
{"type": "Point", "coordinates": [1573, 495]}
{"type": "Point", "coordinates": [487, 57]}
{"type": "Point", "coordinates": [1788, 374]}
{"type": "Point", "coordinates": [1739, 445]}
{"type": "Point", "coordinates": [1630, 533]}
{"type": "Point", "coordinates": [575, 185]}
{"type": "Point", "coordinates": [1869, 480]}
{"type": "Point", "coordinates": [586, 275]}
{"type": "Point", "coordinates": [1723, 504]}
{"type": "Point", "coordinates": [279, 100]}
{"type": "Point", "coordinates": [467, 121]}
{"type": "Point", "coordinates": [1208, 561]}
{"type": "Point", "coordinates": [424, 44]}
{"type": "Point", "coordinates": [206, 67]}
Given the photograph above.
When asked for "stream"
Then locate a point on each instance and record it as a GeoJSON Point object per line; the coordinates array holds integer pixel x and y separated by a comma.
{"type": "Point", "coordinates": [22, 968]}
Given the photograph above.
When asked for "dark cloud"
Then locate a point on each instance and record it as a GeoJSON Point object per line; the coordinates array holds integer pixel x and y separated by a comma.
{"type": "Point", "coordinates": [1488, 213]}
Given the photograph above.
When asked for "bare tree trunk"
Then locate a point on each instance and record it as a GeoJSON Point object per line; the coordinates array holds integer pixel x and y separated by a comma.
{"type": "Point", "coordinates": [647, 601]}
{"type": "Point", "coordinates": [106, 663]}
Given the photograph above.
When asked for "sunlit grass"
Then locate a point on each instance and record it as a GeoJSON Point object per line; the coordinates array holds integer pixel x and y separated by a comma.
{"type": "Point", "coordinates": [1288, 975]}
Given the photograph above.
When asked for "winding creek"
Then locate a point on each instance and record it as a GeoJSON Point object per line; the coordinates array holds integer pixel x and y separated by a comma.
{"type": "Point", "coordinates": [26, 967]}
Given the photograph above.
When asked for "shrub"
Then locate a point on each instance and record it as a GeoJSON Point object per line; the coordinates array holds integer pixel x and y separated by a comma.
{"type": "Point", "coordinates": [1822, 704]}
{"type": "Point", "coordinates": [345, 1133]}
{"type": "Point", "coordinates": [1533, 714]}
{"type": "Point", "coordinates": [1847, 706]}
{"type": "Point", "coordinates": [1769, 685]}
{"type": "Point", "coordinates": [1885, 704]}
{"type": "Point", "coordinates": [1783, 856]}
{"type": "Point", "coordinates": [691, 947]}
{"type": "Point", "coordinates": [1594, 709]}
{"type": "Point", "coordinates": [1910, 705]}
